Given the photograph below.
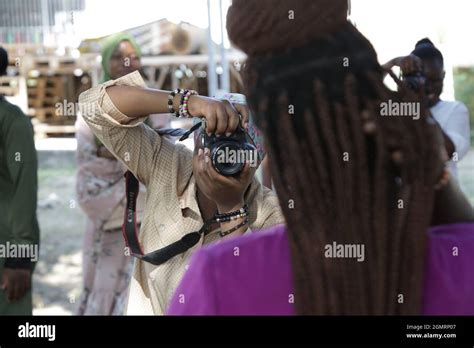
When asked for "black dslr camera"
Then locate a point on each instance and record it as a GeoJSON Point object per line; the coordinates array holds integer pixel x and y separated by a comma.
{"type": "Point", "coordinates": [414, 81]}
{"type": "Point", "coordinates": [229, 154]}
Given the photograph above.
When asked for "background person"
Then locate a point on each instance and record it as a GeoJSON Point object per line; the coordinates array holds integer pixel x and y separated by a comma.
{"type": "Point", "coordinates": [183, 190]}
{"type": "Point", "coordinates": [18, 196]}
{"type": "Point", "coordinates": [452, 116]}
{"type": "Point", "coordinates": [101, 193]}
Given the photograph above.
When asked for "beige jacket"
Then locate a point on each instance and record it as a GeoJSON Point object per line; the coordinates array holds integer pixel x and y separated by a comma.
{"type": "Point", "coordinates": [171, 208]}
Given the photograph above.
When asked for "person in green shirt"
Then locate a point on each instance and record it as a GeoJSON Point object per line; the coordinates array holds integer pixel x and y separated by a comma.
{"type": "Point", "coordinates": [19, 231]}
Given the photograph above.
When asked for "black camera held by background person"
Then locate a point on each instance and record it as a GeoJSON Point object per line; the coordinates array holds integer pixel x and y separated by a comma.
{"type": "Point", "coordinates": [415, 80]}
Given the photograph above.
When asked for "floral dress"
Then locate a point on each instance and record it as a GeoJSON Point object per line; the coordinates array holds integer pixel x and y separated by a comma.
{"type": "Point", "coordinates": [100, 190]}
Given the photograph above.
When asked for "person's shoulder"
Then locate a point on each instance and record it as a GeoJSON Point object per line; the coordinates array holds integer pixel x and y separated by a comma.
{"type": "Point", "coordinates": [12, 115]}
{"type": "Point", "coordinates": [11, 109]}
{"type": "Point", "coordinates": [455, 105]}
{"type": "Point", "coordinates": [272, 238]}
{"type": "Point", "coordinates": [460, 106]}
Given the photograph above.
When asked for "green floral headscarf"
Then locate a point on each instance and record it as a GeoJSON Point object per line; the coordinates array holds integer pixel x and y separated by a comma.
{"type": "Point", "coordinates": [108, 47]}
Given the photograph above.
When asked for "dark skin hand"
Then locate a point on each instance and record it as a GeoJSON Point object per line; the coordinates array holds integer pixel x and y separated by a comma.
{"type": "Point", "coordinates": [226, 191]}
{"type": "Point", "coordinates": [218, 192]}
{"type": "Point", "coordinates": [451, 206]}
{"type": "Point", "coordinates": [16, 282]}
{"type": "Point", "coordinates": [433, 85]}
{"type": "Point", "coordinates": [408, 64]}
{"type": "Point", "coordinates": [221, 193]}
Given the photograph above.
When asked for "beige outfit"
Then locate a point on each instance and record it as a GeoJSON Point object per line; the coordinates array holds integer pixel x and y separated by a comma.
{"type": "Point", "coordinates": [171, 208]}
{"type": "Point", "coordinates": [100, 191]}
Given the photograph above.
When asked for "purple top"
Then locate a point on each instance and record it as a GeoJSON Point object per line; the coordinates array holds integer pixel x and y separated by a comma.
{"type": "Point", "coordinates": [252, 275]}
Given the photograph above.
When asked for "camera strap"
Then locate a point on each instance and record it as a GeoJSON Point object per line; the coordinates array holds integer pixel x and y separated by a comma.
{"type": "Point", "coordinates": [129, 227]}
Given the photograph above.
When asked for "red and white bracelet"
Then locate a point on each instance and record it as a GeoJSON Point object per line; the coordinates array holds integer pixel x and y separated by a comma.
{"type": "Point", "coordinates": [183, 107]}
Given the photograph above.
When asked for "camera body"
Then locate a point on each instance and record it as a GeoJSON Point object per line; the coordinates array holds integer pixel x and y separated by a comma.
{"type": "Point", "coordinates": [414, 81]}
{"type": "Point", "coordinates": [229, 154]}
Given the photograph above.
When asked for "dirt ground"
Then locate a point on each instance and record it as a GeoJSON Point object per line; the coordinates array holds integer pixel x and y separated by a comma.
{"type": "Point", "coordinates": [57, 279]}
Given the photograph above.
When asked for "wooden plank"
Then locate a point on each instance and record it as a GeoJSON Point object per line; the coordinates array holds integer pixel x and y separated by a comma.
{"type": "Point", "coordinates": [45, 114]}
{"type": "Point", "coordinates": [44, 130]}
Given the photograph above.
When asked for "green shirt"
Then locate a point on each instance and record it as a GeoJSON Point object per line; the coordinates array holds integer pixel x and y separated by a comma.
{"type": "Point", "coordinates": [18, 190]}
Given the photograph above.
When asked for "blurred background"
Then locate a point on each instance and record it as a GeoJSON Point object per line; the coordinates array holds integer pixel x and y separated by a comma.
{"type": "Point", "coordinates": [54, 51]}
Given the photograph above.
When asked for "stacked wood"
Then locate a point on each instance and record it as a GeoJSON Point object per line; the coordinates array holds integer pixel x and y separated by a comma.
{"type": "Point", "coordinates": [43, 94]}
{"type": "Point", "coordinates": [9, 86]}
{"type": "Point", "coordinates": [54, 65]}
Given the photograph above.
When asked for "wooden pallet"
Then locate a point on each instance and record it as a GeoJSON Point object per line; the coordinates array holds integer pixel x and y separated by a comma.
{"type": "Point", "coordinates": [8, 86]}
{"type": "Point", "coordinates": [52, 63]}
{"type": "Point", "coordinates": [45, 92]}
{"type": "Point", "coordinates": [44, 130]}
{"type": "Point", "coordinates": [45, 114]}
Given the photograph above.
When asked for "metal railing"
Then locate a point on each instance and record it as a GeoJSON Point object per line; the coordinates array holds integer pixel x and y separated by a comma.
{"type": "Point", "coordinates": [31, 21]}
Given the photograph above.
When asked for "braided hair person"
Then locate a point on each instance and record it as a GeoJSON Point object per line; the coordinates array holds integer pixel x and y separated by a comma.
{"type": "Point", "coordinates": [347, 178]}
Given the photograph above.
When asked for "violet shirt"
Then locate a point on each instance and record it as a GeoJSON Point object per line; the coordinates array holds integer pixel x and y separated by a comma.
{"type": "Point", "coordinates": [252, 275]}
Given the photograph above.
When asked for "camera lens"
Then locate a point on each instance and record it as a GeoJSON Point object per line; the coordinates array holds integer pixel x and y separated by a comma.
{"type": "Point", "coordinates": [228, 158]}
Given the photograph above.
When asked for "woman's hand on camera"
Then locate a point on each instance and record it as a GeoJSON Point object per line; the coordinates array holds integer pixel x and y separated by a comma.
{"type": "Point", "coordinates": [222, 117]}
{"type": "Point", "coordinates": [226, 191]}
{"type": "Point", "coordinates": [408, 64]}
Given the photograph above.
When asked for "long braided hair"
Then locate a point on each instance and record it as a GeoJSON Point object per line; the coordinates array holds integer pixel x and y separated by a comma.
{"type": "Point", "coordinates": [342, 172]}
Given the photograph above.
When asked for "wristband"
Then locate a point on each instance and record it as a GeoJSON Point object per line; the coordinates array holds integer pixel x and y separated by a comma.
{"type": "Point", "coordinates": [170, 101]}
{"type": "Point", "coordinates": [183, 108]}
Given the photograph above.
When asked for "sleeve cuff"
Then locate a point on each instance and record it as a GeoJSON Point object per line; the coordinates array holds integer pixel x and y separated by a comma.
{"type": "Point", "coordinates": [18, 263]}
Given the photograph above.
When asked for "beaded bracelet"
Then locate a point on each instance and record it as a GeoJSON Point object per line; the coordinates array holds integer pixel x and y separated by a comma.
{"type": "Point", "coordinates": [170, 101]}
{"type": "Point", "coordinates": [233, 229]}
{"type": "Point", "coordinates": [181, 101]}
{"type": "Point", "coordinates": [231, 218]}
{"type": "Point", "coordinates": [183, 108]}
{"type": "Point", "coordinates": [243, 210]}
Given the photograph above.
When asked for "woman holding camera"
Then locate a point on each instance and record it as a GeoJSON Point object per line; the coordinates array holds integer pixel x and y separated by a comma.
{"type": "Point", "coordinates": [184, 190]}
{"type": "Point", "coordinates": [452, 116]}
